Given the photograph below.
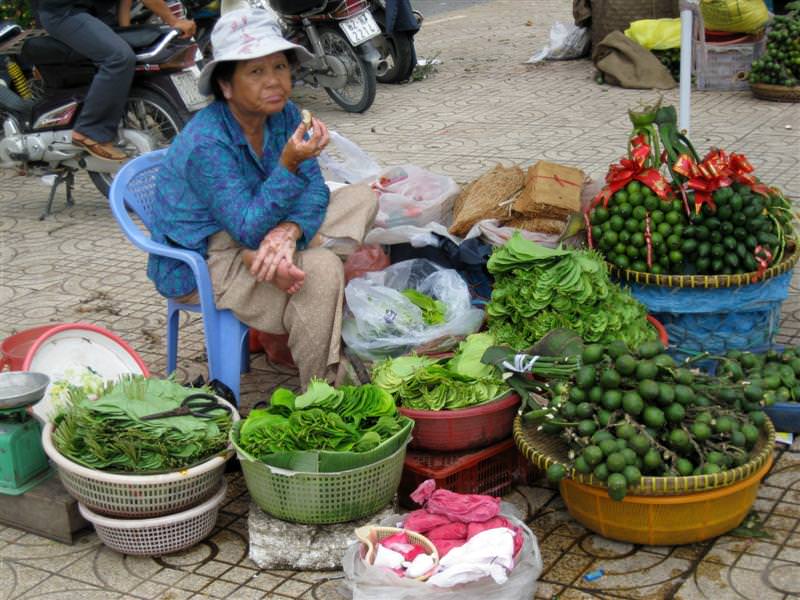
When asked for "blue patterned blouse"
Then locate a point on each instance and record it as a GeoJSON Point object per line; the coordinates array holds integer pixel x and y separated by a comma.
{"type": "Point", "coordinates": [211, 181]}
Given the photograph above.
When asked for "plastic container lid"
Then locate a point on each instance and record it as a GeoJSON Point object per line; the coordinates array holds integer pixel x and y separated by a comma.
{"type": "Point", "coordinates": [67, 351]}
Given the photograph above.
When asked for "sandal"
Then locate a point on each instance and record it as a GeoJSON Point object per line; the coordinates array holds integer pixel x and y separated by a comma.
{"type": "Point", "coordinates": [99, 149]}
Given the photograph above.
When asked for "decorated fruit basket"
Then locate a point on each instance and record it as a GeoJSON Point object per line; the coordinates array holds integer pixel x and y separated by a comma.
{"type": "Point", "coordinates": [139, 496]}
{"type": "Point", "coordinates": [660, 510]}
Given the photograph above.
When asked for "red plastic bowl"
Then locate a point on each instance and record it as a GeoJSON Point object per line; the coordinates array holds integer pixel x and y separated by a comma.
{"type": "Point", "coordinates": [14, 348]}
{"type": "Point", "coordinates": [463, 428]}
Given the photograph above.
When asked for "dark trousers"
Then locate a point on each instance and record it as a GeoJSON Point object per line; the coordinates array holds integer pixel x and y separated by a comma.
{"type": "Point", "coordinates": [115, 60]}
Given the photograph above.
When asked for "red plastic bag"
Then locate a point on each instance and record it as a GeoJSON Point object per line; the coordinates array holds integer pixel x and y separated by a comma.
{"type": "Point", "coordinates": [365, 259]}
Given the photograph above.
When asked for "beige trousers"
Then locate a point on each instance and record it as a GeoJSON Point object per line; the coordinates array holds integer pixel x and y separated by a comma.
{"type": "Point", "coordinates": [313, 316]}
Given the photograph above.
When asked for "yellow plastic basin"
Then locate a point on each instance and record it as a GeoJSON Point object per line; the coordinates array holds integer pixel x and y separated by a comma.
{"type": "Point", "coordinates": [663, 520]}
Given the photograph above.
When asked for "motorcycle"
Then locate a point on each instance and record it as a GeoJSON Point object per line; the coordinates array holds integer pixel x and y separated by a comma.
{"type": "Point", "coordinates": [399, 22]}
{"type": "Point", "coordinates": [339, 34]}
{"type": "Point", "coordinates": [47, 82]}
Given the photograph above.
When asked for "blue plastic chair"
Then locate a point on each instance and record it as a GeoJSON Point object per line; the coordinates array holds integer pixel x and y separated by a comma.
{"type": "Point", "coordinates": [133, 189]}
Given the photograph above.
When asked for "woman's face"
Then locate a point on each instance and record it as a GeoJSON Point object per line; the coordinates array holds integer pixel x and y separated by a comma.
{"type": "Point", "coordinates": [260, 85]}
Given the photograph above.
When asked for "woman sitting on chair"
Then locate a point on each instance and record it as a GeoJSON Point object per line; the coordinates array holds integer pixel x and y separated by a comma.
{"type": "Point", "coordinates": [241, 185]}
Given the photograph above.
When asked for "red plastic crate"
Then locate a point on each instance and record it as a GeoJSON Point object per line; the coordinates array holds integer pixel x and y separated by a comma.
{"type": "Point", "coordinates": [491, 471]}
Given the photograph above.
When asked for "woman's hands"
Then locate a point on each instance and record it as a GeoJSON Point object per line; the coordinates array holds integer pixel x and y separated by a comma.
{"type": "Point", "coordinates": [298, 149]}
{"type": "Point", "coordinates": [273, 261]}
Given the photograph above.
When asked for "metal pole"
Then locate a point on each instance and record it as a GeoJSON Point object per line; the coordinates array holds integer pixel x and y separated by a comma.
{"type": "Point", "coordinates": [686, 69]}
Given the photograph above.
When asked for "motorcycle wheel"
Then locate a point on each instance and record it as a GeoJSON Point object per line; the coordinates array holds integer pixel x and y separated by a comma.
{"type": "Point", "coordinates": [397, 49]}
{"type": "Point", "coordinates": [152, 114]}
{"type": "Point", "coordinates": [358, 93]}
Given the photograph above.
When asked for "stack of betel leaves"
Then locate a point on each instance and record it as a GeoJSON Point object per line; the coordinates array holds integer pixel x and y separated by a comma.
{"type": "Point", "coordinates": [107, 433]}
{"type": "Point", "coordinates": [424, 383]}
{"type": "Point", "coordinates": [713, 216]}
{"type": "Point", "coordinates": [538, 289]}
{"type": "Point", "coordinates": [633, 412]}
{"type": "Point", "coordinates": [345, 419]}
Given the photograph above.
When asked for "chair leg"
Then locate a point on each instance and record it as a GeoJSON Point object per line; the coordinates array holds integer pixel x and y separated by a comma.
{"type": "Point", "coordinates": [224, 338]}
{"type": "Point", "coordinates": [173, 322]}
{"type": "Point", "coordinates": [246, 351]}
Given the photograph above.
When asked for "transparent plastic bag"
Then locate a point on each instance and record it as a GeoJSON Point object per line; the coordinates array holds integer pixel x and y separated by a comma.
{"type": "Point", "coordinates": [344, 161]}
{"type": "Point", "coordinates": [567, 41]}
{"type": "Point", "coordinates": [410, 195]}
{"type": "Point", "coordinates": [380, 321]}
{"type": "Point", "coordinates": [374, 583]}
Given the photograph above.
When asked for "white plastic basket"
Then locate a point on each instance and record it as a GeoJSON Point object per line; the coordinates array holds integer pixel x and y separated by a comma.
{"type": "Point", "coordinates": [139, 496]}
{"type": "Point", "coordinates": [161, 535]}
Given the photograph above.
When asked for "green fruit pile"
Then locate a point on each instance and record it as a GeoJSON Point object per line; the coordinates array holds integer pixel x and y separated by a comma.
{"type": "Point", "coordinates": [619, 231]}
{"type": "Point", "coordinates": [770, 377]}
{"type": "Point", "coordinates": [720, 240]}
{"type": "Point", "coordinates": [627, 413]}
{"type": "Point", "coordinates": [780, 65]}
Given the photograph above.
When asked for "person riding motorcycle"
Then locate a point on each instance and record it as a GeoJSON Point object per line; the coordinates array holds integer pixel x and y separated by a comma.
{"type": "Point", "coordinates": [84, 26]}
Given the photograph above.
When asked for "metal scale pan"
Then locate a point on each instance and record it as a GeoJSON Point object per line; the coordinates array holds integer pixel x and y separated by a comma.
{"type": "Point", "coordinates": [21, 388]}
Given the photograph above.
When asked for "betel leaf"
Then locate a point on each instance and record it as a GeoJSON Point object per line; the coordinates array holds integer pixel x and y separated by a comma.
{"type": "Point", "coordinates": [467, 360]}
{"type": "Point", "coordinates": [433, 311]}
{"type": "Point", "coordinates": [322, 419]}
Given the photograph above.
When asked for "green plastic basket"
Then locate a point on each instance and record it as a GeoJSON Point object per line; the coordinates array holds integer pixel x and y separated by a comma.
{"type": "Point", "coordinates": [323, 498]}
{"type": "Point", "coordinates": [328, 461]}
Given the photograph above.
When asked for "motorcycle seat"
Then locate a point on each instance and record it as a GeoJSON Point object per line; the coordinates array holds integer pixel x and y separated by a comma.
{"type": "Point", "coordinates": [295, 7]}
{"type": "Point", "coordinates": [47, 50]}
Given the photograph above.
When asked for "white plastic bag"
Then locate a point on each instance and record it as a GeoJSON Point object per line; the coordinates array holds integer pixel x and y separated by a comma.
{"type": "Point", "coordinates": [381, 322]}
{"type": "Point", "coordinates": [410, 195]}
{"type": "Point", "coordinates": [373, 583]}
{"type": "Point", "coordinates": [344, 161]}
{"type": "Point", "coordinates": [567, 41]}
{"type": "Point", "coordinates": [418, 237]}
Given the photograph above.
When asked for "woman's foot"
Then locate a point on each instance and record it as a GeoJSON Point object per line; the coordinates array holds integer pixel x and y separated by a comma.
{"type": "Point", "coordinates": [101, 150]}
{"type": "Point", "coordinates": [289, 277]}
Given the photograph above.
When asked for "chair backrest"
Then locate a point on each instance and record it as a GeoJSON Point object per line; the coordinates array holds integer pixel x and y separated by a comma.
{"type": "Point", "coordinates": [134, 189]}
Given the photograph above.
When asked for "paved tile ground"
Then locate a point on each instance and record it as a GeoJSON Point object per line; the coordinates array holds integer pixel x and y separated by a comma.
{"type": "Point", "coordinates": [482, 106]}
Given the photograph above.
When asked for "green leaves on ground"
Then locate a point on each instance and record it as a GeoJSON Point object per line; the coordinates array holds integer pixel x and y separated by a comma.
{"type": "Point", "coordinates": [348, 419]}
{"type": "Point", "coordinates": [538, 289]}
{"type": "Point", "coordinates": [108, 433]}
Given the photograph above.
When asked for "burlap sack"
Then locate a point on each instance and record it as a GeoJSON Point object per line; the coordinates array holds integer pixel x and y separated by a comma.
{"type": "Point", "coordinates": [617, 15]}
{"type": "Point", "coordinates": [551, 191]}
{"type": "Point", "coordinates": [625, 63]}
{"type": "Point", "coordinates": [486, 198]}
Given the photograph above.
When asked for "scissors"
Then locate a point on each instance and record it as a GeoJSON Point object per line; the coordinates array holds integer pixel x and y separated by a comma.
{"type": "Point", "coordinates": [198, 405]}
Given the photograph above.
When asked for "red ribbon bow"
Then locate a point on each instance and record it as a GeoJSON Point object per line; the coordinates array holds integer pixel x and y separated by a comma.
{"type": "Point", "coordinates": [704, 178]}
{"type": "Point", "coordinates": [740, 169]}
{"type": "Point", "coordinates": [633, 169]}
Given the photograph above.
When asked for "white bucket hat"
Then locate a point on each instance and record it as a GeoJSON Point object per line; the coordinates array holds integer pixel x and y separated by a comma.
{"type": "Point", "coordinates": [244, 34]}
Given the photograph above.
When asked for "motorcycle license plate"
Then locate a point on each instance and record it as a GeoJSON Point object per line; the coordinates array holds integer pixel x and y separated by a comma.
{"type": "Point", "coordinates": [186, 84]}
{"type": "Point", "coordinates": [360, 28]}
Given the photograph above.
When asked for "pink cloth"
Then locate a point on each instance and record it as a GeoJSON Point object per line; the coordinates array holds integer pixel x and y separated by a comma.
{"type": "Point", "coordinates": [400, 543]}
{"type": "Point", "coordinates": [422, 521]}
{"type": "Point", "coordinates": [451, 531]}
{"type": "Point", "coordinates": [449, 519]}
{"type": "Point", "coordinates": [466, 508]}
{"type": "Point", "coordinates": [444, 546]}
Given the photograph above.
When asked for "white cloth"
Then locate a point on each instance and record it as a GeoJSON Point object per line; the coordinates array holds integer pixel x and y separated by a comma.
{"type": "Point", "coordinates": [490, 552]}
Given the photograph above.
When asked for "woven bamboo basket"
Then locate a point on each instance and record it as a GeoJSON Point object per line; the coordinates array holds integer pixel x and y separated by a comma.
{"type": "Point", "coordinates": [776, 93]}
{"type": "Point", "coordinates": [708, 281]}
{"type": "Point", "coordinates": [544, 450]}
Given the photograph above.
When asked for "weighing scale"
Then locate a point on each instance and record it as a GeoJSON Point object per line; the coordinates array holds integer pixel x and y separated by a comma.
{"type": "Point", "coordinates": [23, 463]}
